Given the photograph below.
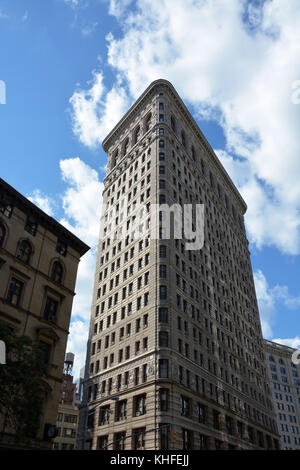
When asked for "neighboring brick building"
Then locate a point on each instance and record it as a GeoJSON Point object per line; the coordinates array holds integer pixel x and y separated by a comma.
{"type": "Point", "coordinates": [38, 268]}
{"type": "Point", "coordinates": [175, 339]}
{"type": "Point", "coordinates": [285, 384]}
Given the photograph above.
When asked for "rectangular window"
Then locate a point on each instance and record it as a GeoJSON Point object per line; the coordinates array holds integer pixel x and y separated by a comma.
{"type": "Point", "coordinates": [185, 406]}
{"type": "Point", "coordinates": [162, 271]}
{"type": "Point", "coordinates": [163, 368]}
{"type": "Point", "coordinates": [15, 291]}
{"type": "Point", "coordinates": [162, 292]}
{"type": "Point", "coordinates": [119, 440]}
{"type": "Point", "coordinates": [187, 438]}
{"type": "Point", "coordinates": [140, 405]}
{"type": "Point", "coordinates": [163, 315]}
{"type": "Point", "coordinates": [61, 248]}
{"type": "Point", "coordinates": [104, 414]}
{"type": "Point", "coordinates": [50, 310]}
{"type": "Point", "coordinates": [162, 251]}
{"type": "Point", "coordinates": [121, 410]}
{"type": "Point", "coordinates": [163, 339]}
{"type": "Point", "coordinates": [102, 442]}
{"type": "Point", "coordinates": [138, 440]}
{"type": "Point", "coordinates": [164, 399]}
{"type": "Point", "coordinates": [164, 436]}
{"type": "Point", "coordinates": [31, 226]}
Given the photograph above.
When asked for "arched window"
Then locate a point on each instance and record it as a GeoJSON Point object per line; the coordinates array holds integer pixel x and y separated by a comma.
{"type": "Point", "coordinates": [183, 140]}
{"type": "Point", "coordinates": [126, 145]}
{"type": "Point", "coordinates": [24, 251]}
{"type": "Point", "coordinates": [57, 272]}
{"type": "Point", "coordinates": [137, 134]}
{"type": "Point", "coordinates": [148, 122]}
{"type": "Point", "coordinates": [161, 143]}
{"type": "Point", "coordinates": [2, 234]}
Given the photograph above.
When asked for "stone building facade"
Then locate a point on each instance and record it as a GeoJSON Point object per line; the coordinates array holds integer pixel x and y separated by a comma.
{"type": "Point", "coordinates": [68, 411]}
{"type": "Point", "coordinates": [175, 356]}
{"type": "Point", "coordinates": [284, 377]}
{"type": "Point", "coordinates": [38, 268]}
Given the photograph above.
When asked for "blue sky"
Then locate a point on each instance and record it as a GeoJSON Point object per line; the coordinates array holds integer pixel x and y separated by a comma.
{"type": "Point", "coordinates": [73, 67]}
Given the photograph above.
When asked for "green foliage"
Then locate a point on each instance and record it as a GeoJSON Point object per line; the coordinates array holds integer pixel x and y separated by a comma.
{"type": "Point", "coordinates": [21, 379]}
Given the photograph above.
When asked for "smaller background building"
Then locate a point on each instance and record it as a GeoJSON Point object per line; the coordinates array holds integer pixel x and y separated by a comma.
{"type": "Point", "coordinates": [285, 384]}
{"type": "Point", "coordinates": [67, 417]}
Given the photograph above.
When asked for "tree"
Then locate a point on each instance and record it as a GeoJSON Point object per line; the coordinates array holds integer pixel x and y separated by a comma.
{"type": "Point", "coordinates": [21, 384]}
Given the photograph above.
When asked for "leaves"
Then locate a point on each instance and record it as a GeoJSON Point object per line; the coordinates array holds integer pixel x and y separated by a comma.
{"type": "Point", "coordinates": [21, 383]}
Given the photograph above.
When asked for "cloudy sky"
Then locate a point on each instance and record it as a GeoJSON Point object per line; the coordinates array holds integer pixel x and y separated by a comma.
{"type": "Point", "coordinates": [73, 67]}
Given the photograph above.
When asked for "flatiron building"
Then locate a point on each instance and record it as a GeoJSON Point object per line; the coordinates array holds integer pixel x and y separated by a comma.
{"type": "Point", "coordinates": [175, 356]}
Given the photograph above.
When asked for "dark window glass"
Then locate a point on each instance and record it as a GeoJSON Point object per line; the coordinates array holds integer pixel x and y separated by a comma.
{"type": "Point", "coordinates": [148, 123]}
{"type": "Point", "coordinates": [164, 399]}
{"type": "Point", "coordinates": [164, 436]}
{"type": "Point", "coordinates": [61, 248]}
{"type": "Point", "coordinates": [119, 440]}
{"type": "Point", "coordinates": [46, 352]}
{"type": "Point", "coordinates": [163, 315]}
{"type": "Point", "coordinates": [163, 292]}
{"type": "Point", "coordinates": [163, 339]}
{"type": "Point", "coordinates": [187, 438]}
{"type": "Point", "coordinates": [102, 442]}
{"type": "Point", "coordinates": [50, 309]}
{"type": "Point", "coordinates": [163, 271]}
{"type": "Point", "coordinates": [24, 251]}
{"type": "Point", "coordinates": [163, 368]}
{"type": "Point", "coordinates": [2, 234]}
{"type": "Point", "coordinates": [31, 226]}
{"type": "Point", "coordinates": [15, 291]}
{"type": "Point", "coordinates": [56, 272]}
{"type": "Point", "coordinates": [162, 251]}
{"type": "Point", "coordinates": [139, 439]}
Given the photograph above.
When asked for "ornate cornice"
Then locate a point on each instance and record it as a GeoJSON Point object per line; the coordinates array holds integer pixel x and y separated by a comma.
{"type": "Point", "coordinates": [191, 122]}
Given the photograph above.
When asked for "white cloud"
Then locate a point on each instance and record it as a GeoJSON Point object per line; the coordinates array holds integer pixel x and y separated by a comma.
{"type": "Point", "coordinates": [95, 111]}
{"type": "Point", "coordinates": [82, 199]}
{"type": "Point", "coordinates": [89, 29]}
{"type": "Point", "coordinates": [117, 8]}
{"type": "Point", "coordinates": [77, 344]}
{"type": "Point", "coordinates": [42, 201]}
{"type": "Point", "coordinates": [291, 342]}
{"type": "Point", "coordinates": [266, 303]}
{"type": "Point", "coordinates": [234, 61]}
{"type": "Point", "coordinates": [270, 299]}
{"type": "Point", "coordinates": [82, 209]}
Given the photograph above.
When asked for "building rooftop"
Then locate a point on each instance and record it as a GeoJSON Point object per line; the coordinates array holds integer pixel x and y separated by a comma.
{"type": "Point", "coordinates": [9, 195]}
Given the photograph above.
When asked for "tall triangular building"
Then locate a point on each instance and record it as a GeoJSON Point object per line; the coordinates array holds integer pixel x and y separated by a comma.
{"type": "Point", "coordinates": [175, 355]}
